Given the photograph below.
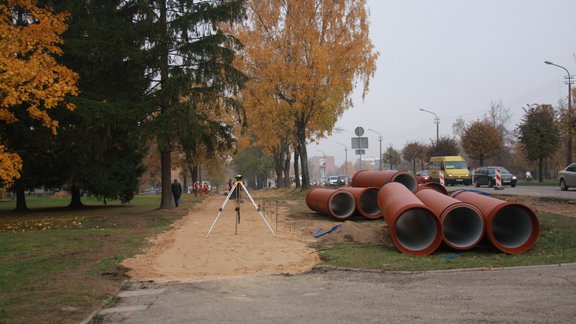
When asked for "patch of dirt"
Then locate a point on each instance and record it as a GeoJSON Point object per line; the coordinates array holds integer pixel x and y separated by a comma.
{"type": "Point", "coordinates": [351, 231]}
{"type": "Point", "coordinates": [545, 205]}
{"type": "Point", "coordinates": [187, 253]}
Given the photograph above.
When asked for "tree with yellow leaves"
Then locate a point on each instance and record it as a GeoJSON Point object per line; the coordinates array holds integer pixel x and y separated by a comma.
{"type": "Point", "coordinates": [305, 58]}
{"type": "Point", "coordinates": [30, 77]}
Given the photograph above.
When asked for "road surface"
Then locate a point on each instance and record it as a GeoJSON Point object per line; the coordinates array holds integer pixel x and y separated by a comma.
{"type": "Point", "coordinates": [536, 294]}
{"type": "Point", "coordinates": [533, 191]}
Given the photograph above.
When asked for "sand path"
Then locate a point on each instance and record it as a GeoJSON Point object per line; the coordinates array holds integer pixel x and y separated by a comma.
{"type": "Point", "coordinates": [184, 253]}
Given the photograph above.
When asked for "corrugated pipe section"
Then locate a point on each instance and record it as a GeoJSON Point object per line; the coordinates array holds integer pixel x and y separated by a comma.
{"type": "Point", "coordinates": [462, 223]}
{"type": "Point", "coordinates": [511, 227]}
{"type": "Point", "coordinates": [365, 178]}
{"type": "Point", "coordinates": [337, 203]}
{"type": "Point", "coordinates": [414, 228]}
{"type": "Point", "coordinates": [365, 200]}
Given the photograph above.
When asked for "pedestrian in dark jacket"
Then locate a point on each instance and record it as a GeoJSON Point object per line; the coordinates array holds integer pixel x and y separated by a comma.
{"type": "Point", "coordinates": [176, 191]}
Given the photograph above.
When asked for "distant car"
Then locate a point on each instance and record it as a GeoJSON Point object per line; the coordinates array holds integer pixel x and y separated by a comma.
{"type": "Point", "coordinates": [343, 181]}
{"type": "Point", "coordinates": [152, 191]}
{"type": "Point", "coordinates": [487, 176]}
{"type": "Point", "coordinates": [567, 177]}
{"type": "Point", "coordinates": [422, 177]}
{"type": "Point", "coordinates": [332, 181]}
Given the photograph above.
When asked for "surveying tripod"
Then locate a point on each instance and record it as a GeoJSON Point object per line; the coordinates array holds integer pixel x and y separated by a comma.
{"type": "Point", "coordinates": [238, 184]}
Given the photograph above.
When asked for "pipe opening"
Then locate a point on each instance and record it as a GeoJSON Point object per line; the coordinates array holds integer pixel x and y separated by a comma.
{"type": "Point", "coordinates": [416, 229]}
{"type": "Point", "coordinates": [512, 226]}
{"type": "Point", "coordinates": [342, 204]}
{"type": "Point", "coordinates": [407, 180]}
{"type": "Point", "coordinates": [368, 202]}
{"type": "Point", "coordinates": [463, 227]}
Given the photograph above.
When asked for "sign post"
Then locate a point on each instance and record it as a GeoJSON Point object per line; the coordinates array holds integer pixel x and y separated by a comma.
{"type": "Point", "coordinates": [359, 143]}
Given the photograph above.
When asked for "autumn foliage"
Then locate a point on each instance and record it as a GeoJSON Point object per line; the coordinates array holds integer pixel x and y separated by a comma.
{"type": "Point", "coordinates": [30, 77]}
{"type": "Point", "coordinates": [305, 59]}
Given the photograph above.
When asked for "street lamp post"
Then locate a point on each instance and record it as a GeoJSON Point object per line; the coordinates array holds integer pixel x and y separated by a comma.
{"type": "Point", "coordinates": [436, 120]}
{"type": "Point", "coordinates": [570, 123]}
{"type": "Point", "coordinates": [345, 158]}
{"type": "Point", "coordinates": [324, 173]}
{"type": "Point", "coordinates": [380, 139]}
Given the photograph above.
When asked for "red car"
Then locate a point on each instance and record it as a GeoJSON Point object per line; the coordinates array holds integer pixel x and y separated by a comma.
{"type": "Point", "coordinates": [422, 177]}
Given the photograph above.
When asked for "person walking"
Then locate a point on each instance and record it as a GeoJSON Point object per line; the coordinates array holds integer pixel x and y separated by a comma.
{"type": "Point", "coordinates": [176, 191]}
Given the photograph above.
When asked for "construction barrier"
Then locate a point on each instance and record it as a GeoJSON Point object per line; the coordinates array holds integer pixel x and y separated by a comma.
{"type": "Point", "coordinates": [498, 179]}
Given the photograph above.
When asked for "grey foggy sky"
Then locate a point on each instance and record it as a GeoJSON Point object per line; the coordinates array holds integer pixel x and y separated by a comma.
{"type": "Point", "coordinates": [455, 57]}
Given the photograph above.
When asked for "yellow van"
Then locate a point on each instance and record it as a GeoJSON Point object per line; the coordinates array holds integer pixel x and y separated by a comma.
{"type": "Point", "coordinates": [455, 169]}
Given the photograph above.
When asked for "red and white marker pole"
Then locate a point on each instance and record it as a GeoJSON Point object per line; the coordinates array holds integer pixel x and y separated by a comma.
{"type": "Point", "coordinates": [442, 180]}
{"type": "Point", "coordinates": [498, 179]}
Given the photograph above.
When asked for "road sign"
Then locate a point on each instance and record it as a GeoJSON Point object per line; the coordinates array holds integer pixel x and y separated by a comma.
{"type": "Point", "coordinates": [360, 152]}
{"type": "Point", "coordinates": [359, 142]}
{"type": "Point", "coordinates": [359, 131]}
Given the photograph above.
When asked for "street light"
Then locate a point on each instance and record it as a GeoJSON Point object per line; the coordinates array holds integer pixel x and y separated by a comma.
{"type": "Point", "coordinates": [569, 144]}
{"type": "Point", "coordinates": [345, 158]}
{"type": "Point", "coordinates": [324, 157]}
{"type": "Point", "coordinates": [380, 139]}
{"type": "Point", "coordinates": [436, 120]}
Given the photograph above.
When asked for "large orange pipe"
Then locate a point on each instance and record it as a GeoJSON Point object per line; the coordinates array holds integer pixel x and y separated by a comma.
{"type": "Point", "coordinates": [334, 202]}
{"type": "Point", "coordinates": [365, 199]}
{"type": "Point", "coordinates": [462, 223]}
{"type": "Point", "coordinates": [512, 227]}
{"type": "Point", "coordinates": [433, 185]}
{"type": "Point", "coordinates": [414, 228]}
{"type": "Point", "coordinates": [365, 178]}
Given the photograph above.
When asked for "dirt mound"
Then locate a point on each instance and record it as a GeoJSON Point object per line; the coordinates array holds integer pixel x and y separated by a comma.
{"type": "Point", "coordinates": [350, 231]}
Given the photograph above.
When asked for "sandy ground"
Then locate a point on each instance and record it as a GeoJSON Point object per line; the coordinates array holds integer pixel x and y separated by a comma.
{"type": "Point", "coordinates": [185, 253]}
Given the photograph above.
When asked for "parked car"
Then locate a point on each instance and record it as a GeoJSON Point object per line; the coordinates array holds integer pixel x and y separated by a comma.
{"type": "Point", "coordinates": [567, 177]}
{"type": "Point", "coordinates": [422, 177]}
{"type": "Point", "coordinates": [343, 181]}
{"type": "Point", "coordinates": [332, 181]}
{"type": "Point", "coordinates": [487, 176]}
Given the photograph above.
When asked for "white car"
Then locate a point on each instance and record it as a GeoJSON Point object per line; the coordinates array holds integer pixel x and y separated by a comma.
{"type": "Point", "coordinates": [567, 177]}
{"type": "Point", "coordinates": [332, 181]}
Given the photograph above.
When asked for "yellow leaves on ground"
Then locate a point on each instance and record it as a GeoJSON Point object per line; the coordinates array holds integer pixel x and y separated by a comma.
{"type": "Point", "coordinates": [41, 224]}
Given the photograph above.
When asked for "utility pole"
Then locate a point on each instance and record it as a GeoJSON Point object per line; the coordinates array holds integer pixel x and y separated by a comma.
{"type": "Point", "coordinates": [570, 119]}
{"type": "Point", "coordinates": [380, 139]}
{"type": "Point", "coordinates": [437, 121]}
{"type": "Point", "coordinates": [345, 158]}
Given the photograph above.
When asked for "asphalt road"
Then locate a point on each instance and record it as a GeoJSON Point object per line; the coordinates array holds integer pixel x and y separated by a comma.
{"type": "Point", "coordinates": [536, 294]}
{"type": "Point", "coordinates": [534, 191]}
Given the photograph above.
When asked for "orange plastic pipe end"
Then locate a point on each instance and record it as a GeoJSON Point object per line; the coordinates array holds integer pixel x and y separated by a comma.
{"type": "Point", "coordinates": [511, 227]}
{"type": "Point", "coordinates": [414, 228]}
{"type": "Point", "coordinates": [365, 178]}
{"type": "Point", "coordinates": [337, 203]}
{"type": "Point", "coordinates": [365, 199]}
{"type": "Point", "coordinates": [433, 185]}
{"type": "Point", "coordinates": [462, 224]}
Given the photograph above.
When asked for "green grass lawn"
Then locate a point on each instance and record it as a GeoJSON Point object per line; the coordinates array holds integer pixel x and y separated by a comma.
{"type": "Point", "coordinates": [555, 245]}
{"type": "Point", "coordinates": [58, 265]}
